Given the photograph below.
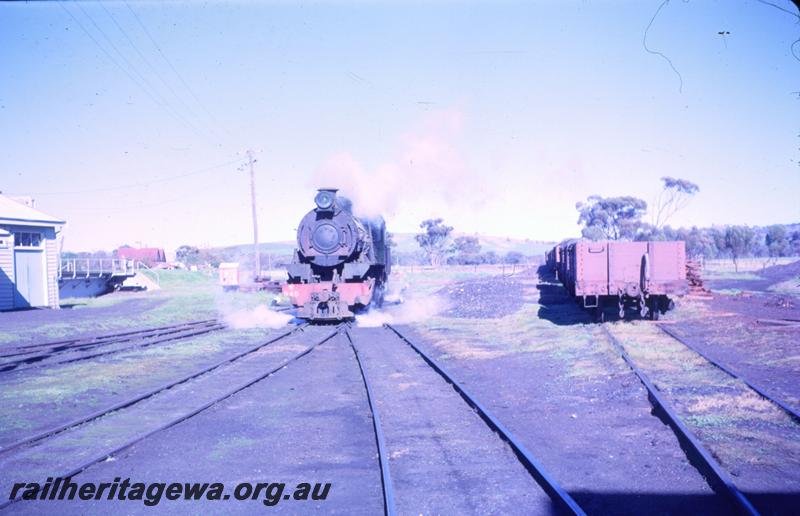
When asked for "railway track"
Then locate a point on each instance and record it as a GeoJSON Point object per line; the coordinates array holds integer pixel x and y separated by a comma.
{"type": "Point", "coordinates": [791, 412]}
{"type": "Point", "coordinates": [561, 500]}
{"type": "Point", "coordinates": [696, 451]}
{"type": "Point", "coordinates": [383, 455]}
{"type": "Point", "coordinates": [99, 338]}
{"type": "Point", "coordinates": [113, 422]}
{"type": "Point", "coordinates": [136, 399]}
{"type": "Point", "coordinates": [76, 350]}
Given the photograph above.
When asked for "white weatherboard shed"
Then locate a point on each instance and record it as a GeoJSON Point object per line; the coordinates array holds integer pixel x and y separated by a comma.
{"type": "Point", "coordinates": [28, 256]}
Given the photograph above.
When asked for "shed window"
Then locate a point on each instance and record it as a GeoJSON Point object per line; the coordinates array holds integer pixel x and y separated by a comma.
{"type": "Point", "coordinates": [26, 239]}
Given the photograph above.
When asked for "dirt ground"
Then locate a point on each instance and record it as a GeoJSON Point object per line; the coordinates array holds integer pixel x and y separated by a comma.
{"type": "Point", "coordinates": [734, 329]}
{"type": "Point", "coordinates": [755, 441]}
{"type": "Point", "coordinates": [520, 345]}
{"type": "Point", "coordinates": [563, 391]}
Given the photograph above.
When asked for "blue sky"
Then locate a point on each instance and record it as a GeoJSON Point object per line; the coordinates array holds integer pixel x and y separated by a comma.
{"type": "Point", "coordinates": [498, 116]}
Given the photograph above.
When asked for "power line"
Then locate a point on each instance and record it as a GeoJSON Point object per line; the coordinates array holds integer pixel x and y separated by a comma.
{"type": "Point", "coordinates": [116, 63]}
{"type": "Point", "coordinates": [161, 100]}
{"type": "Point", "coordinates": [174, 70]}
{"type": "Point", "coordinates": [145, 183]}
{"type": "Point", "coordinates": [153, 68]}
{"type": "Point", "coordinates": [129, 208]}
{"type": "Point", "coordinates": [101, 47]}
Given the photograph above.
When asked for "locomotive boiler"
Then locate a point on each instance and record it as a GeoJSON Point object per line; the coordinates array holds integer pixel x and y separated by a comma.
{"type": "Point", "coordinates": [341, 263]}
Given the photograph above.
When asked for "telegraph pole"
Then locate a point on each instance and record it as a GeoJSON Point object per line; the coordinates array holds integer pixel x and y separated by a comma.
{"type": "Point", "coordinates": [256, 251]}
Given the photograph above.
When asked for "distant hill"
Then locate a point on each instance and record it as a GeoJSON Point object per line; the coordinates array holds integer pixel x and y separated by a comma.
{"type": "Point", "coordinates": [500, 245]}
{"type": "Point", "coordinates": [406, 244]}
{"type": "Point", "coordinates": [234, 252]}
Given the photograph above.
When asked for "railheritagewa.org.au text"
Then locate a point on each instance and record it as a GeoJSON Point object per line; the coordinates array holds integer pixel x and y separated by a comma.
{"type": "Point", "coordinates": [154, 493]}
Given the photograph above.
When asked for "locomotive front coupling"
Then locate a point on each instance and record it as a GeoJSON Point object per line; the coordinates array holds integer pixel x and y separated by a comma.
{"type": "Point", "coordinates": [326, 304]}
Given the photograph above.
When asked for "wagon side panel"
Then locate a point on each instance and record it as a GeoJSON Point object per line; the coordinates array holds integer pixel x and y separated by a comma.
{"type": "Point", "coordinates": [667, 268]}
{"type": "Point", "coordinates": [591, 269]}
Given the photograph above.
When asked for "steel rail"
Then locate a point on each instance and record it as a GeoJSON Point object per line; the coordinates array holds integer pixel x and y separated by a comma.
{"type": "Point", "coordinates": [564, 502]}
{"type": "Point", "coordinates": [113, 335]}
{"type": "Point", "coordinates": [717, 478]}
{"type": "Point", "coordinates": [380, 441]}
{"type": "Point", "coordinates": [30, 356]}
{"type": "Point", "coordinates": [89, 343]}
{"type": "Point", "coordinates": [149, 394]}
{"type": "Point", "coordinates": [16, 365]}
{"type": "Point", "coordinates": [794, 414]}
{"type": "Point", "coordinates": [248, 383]}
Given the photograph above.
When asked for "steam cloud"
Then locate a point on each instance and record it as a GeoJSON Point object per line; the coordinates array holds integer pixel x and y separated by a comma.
{"type": "Point", "coordinates": [258, 317]}
{"type": "Point", "coordinates": [428, 167]}
{"type": "Point", "coordinates": [415, 309]}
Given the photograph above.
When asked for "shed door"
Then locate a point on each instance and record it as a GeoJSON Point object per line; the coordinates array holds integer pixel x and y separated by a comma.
{"type": "Point", "coordinates": [29, 278]}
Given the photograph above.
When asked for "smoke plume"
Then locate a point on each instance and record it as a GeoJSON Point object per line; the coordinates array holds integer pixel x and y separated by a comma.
{"type": "Point", "coordinates": [428, 167]}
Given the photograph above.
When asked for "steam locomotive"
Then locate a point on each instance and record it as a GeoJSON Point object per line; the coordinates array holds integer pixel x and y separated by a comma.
{"type": "Point", "coordinates": [341, 263]}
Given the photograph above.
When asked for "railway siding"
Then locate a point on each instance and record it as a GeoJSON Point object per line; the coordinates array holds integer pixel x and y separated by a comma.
{"type": "Point", "coordinates": [767, 356]}
{"type": "Point", "coordinates": [34, 400]}
{"type": "Point", "coordinates": [66, 452]}
{"type": "Point", "coordinates": [309, 422]}
{"type": "Point", "coordinates": [753, 439]}
{"type": "Point", "coordinates": [42, 356]}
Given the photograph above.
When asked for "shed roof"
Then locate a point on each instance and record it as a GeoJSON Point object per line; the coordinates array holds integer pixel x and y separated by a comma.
{"type": "Point", "coordinates": [15, 212]}
{"type": "Point", "coordinates": [155, 254]}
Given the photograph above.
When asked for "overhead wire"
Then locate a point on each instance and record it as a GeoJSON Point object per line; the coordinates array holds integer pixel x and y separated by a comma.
{"type": "Point", "coordinates": [106, 52]}
{"type": "Point", "coordinates": [151, 202]}
{"type": "Point", "coordinates": [155, 95]}
{"type": "Point", "coordinates": [146, 183]}
{"type": "Point", "coordinates": [123, 209]}
{"type": "Point", "coordinates": [172, 67]}
{"type": "Point", "coordinates": [154, 70]}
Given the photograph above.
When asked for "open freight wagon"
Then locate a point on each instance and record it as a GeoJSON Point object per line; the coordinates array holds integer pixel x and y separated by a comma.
{"type": "Point", "coordinates": [641, 274]}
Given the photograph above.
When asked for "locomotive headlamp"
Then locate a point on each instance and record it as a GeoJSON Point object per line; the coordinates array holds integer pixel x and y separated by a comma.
{"type": "Point", "coordinates": [325, 198]}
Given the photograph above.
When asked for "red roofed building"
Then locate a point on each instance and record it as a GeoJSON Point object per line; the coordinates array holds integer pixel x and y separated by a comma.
{"type": "Point", "coordinates": [147, 255]}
